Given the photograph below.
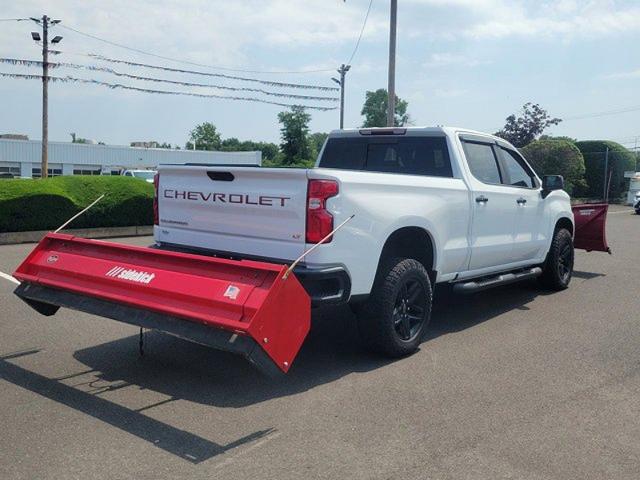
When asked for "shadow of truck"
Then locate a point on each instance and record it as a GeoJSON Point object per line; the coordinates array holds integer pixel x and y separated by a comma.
{"type": "Point", "coordinates": [183, 370]}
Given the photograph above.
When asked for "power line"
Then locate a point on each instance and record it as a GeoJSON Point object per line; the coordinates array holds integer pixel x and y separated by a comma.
{"type": "Point", "coordinates": [13, 19]}
{"type": "Point", "coordinates": [604, 113]}
{"type": "Point", "coordinates": [215, 67]}
{"type": "Point", "coordinates": [364, 24]}
{"type": "Point", "coordinates": [217, 75]}
{"type": "Point", "coordinates": [627, 139]}
{"type": "Point", "coordinates": [161, 92]}
{"type": "Point", "coordinates": [595, 114]}
{"type": "Point", "coordinates": [37, 63]}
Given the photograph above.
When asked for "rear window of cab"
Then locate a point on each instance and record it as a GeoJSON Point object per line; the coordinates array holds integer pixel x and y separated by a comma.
{"type": "Point", "coordinates": [427, 156]}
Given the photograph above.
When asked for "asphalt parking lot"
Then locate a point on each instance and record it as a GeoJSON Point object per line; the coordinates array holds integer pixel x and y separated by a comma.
{"type": "Point", "coordinates": [512, 383]}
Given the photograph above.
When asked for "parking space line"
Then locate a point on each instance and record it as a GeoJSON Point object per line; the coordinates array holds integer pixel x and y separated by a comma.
{"type": "Point", "coordinates": [6, 276]}
{"type": "Point", "coordinates": [623, 211]}
{"type": "Point", "coordinates": [231, 458]}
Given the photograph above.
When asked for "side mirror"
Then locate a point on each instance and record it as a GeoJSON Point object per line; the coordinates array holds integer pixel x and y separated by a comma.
{"type": "Point", "coordinates": [551, 183]}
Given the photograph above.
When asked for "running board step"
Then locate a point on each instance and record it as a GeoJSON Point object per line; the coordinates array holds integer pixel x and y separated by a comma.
{"type": "Point", "coordinates": [502, 279]}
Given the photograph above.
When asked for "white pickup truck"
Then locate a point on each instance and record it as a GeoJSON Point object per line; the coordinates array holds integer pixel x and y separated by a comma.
{"type": "Point", "coordinates": [431, 205]}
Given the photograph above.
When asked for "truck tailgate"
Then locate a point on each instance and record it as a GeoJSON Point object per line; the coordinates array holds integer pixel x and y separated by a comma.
{"type": "Point", "coordinates": [245, 210]}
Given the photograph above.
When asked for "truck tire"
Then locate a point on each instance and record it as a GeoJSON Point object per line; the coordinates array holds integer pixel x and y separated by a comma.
{"type": "Point", "coordinates": [558, 267]}
{"type": "Point", "coordinates": [395, 318]}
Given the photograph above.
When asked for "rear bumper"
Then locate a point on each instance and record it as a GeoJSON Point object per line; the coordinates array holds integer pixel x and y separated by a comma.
{"type": "Point", "coordinates": [325, 286]}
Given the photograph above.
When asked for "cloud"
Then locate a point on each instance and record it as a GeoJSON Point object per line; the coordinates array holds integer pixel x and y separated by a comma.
{"type": "Point", "coordinates": [450, 92]}
{"type": "Point", "coordinates": [227, 33]}
{"type": "Point", "coordinates": [447, 59]}
{"type": "Point", "coordinates": [498, 19]}
{"type": "Point", "coordinates": [585, 24]}
{"type": "Point", "coordinates": [623, 75]}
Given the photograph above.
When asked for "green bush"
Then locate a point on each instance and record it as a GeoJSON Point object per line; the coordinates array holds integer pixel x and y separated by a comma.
{"type": "Point", "coordinates": [34, 204]}
{"type": "Point", "coordinates": [620, 160]}
{"type": "Point", "coordinates": [557, 156]}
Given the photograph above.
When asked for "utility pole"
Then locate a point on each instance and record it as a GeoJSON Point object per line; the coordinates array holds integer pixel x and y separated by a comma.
{"type": "Point", "coordinates": [391, 91]}
{"type": "Point", "coordinates": [45, 22]}
{"type": "Point", "coordinates": [342, 71]}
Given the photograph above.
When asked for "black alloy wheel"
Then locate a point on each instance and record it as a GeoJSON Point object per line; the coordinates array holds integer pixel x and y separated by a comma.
{"type": "Point", "coordinates": [409, 310]}
{"type": "Point", "coordinates": [395, 318]}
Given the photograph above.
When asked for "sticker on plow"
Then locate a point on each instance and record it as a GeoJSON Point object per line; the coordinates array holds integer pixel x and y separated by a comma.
{"type": "Point", "coordinates": [131, 275]}
{"type": "Point", "coordinates": [232, 292]}
{"type": "Point", "coordinates": [586, 213]}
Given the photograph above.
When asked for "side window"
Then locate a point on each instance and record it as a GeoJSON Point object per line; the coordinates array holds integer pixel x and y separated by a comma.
{"type": "Point", "coordinates": [344, 153]}
{"type": "Point", "coordinates": [518, 175]}
{"type": "Point", "coordinates": [482, 162]}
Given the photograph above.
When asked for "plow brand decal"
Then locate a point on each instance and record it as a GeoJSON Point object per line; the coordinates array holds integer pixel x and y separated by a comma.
{"type": "Point", "coordinates": [131, 275]}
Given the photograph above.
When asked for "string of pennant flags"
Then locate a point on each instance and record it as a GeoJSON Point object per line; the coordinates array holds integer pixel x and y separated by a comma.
{"type": "Point", "coordinates": [218, 75]}
{"type": "Point", "coordinates": [37, 63]}
{"type": "Point", "coordinates": [67, 79]}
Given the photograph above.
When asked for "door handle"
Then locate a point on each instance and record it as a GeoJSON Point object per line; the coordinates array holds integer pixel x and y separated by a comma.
{"type": "Point", "coordinates": [482, 199]}
{"type": "Point", "coordinates": [521, 201]}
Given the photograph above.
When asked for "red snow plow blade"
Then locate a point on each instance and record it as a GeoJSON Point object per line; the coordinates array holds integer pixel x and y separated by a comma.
{"type": "Point", "coordinates": [590, 221]}
{"type": "Point", "coordinates": [241, 306]}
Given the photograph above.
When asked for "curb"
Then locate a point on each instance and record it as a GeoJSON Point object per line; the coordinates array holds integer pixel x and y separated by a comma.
{"type": "Point", "coordinates": [8, 238]}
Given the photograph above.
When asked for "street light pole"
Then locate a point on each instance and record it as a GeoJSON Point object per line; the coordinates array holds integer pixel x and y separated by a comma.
{"type": "Point", "coordinates": [44, 168]}
{"type": "Point", "coordinates": [343, 72]}
{"type": "Point", "coordinates": [45, 22]}
{"type": "Point", "coordinates": [391, 91]}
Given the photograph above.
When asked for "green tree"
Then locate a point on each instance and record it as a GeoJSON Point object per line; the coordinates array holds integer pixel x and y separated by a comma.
{"type": "Point", "coordinates": [232, 145]}
{"type": "Point", "coordinates": [557, 156]}
{"type": "Point", "coordinates": [620, 160]}
{"type": "Point", "coordinates": [317, 140]}
{"type": "Point", "coordinates": [527, 126]}
{"type": "Point", "coordinates": [206, 137]}
{"type": "Point", "coordinates": [270, 151]}
{"type": "Point", "coordinates": [375, 109]}
{"type": "Point", "coordinates": [295, 146]}
{"type": "Point", "coordinates": [76, 139]}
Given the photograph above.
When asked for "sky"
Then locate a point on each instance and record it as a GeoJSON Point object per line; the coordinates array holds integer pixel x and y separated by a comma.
{"type": "Point", "coordinates": [468, 63]}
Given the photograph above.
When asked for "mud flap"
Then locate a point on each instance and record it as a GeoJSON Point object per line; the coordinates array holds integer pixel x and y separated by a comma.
{"type": "Point", "coordinates": [240, 306]}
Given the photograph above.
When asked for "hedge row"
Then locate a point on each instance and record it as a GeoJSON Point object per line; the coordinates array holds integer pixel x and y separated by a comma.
{"type": "Point", "coordinates": [34, 204]}
{"type": "Point", "coordinates": [619, 161]}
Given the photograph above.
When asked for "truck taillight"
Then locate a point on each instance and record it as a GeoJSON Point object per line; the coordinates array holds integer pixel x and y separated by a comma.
{"type": "Point", "coordinates": [319, 220]}
{"type": "Point", "coordinates": [156, 182]}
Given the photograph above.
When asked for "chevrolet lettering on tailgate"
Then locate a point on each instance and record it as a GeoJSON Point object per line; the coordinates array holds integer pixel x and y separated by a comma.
{"type": "Point", "coordinates": [242, 198]}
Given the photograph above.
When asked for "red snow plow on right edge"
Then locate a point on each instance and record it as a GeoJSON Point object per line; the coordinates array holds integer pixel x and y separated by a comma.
{"type": "Point", "coordinates": [590, 227]}
{"type": "Point", "coordinates": [256, 309]}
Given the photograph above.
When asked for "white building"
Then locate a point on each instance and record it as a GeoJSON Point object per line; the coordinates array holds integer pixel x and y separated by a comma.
{"type": "Point", "coordinates": [22, 158]}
